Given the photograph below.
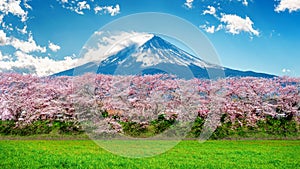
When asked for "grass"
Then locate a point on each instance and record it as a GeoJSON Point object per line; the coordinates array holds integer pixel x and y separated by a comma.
{"type": "Point", "coordinates": [187, 154]}
{"type": "Point", "coordinates": [51, 136]}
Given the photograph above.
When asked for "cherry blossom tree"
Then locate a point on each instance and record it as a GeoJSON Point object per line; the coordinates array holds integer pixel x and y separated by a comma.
{"type": "Point", "coordinates": [106, 101]}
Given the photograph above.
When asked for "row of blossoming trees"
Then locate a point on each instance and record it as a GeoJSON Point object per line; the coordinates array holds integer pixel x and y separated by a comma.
{"type": "Point", "coordinates": [110, 101]}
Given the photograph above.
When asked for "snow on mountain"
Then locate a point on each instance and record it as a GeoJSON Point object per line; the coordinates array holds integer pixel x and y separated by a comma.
{"type": "Point", "coordinates": [126, 41]}
{"type": "Point", "coordinates": [103, 44]}
{"type": "Point", "coordinates": [136, 53]}
{"type": "Point", "coordinates": [156, 50]}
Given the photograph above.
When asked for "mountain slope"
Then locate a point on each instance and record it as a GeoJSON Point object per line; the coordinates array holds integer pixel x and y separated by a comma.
{"type": "Point", "coordinates": [157, 56]}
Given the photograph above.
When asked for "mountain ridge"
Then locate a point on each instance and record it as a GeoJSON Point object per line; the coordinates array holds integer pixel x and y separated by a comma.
{"type": "Point", "coordinates": [160, 55]}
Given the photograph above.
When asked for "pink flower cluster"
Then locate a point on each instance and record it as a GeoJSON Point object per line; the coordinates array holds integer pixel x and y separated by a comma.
{"type": "Point", "coordinates": [25, 98]}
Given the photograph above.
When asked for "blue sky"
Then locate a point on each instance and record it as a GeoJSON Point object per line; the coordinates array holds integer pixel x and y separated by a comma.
{"type": "Point", "coordinates": [41, 37]}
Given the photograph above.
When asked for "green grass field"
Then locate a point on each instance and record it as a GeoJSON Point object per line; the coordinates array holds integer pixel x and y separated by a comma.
{"type": "Point", "coordinates": [187, 154]}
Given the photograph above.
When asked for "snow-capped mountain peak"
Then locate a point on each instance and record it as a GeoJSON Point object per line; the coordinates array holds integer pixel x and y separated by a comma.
{"type": "Point", "coordinates": [135, 38]}
{"type": "Point", "coordinates": [156, 50]}
{"type": "Point", "coordinates": [144, 53]}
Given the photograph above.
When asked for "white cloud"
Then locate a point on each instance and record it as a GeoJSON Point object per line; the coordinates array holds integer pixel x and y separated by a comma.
{"type": "Point", "coordinates": [231, 23]}
{"type": "Point", "coordinates": [3, 38]}
{"type": "Point", "coordinates": [286, 70]}
{"type": "Point", "coordinates": [208, 29]}
{"type": "Point", "coordinates": [40, 66]}
{"type": "Point", "coordinates": [26, 46]}
{"type": "Point", "coordinates": [24, 59]}
{"type": "Point", "coordinates": [7, 27]}
{"type": "Point", "coordinates": [98, 9]}
{"type": "Point", "coordinates": [210, 10]}
{"type": "Point", "coordinates": [22, 45]}
{"type": "Point", "coordinates": [5, 57]}
{"type": "Point", "coordinates": [109, 43]}
{"type": "Point", "coordinates": [189, 3]}
{"type": "Point", "coordinates": [23, 31]}
{"type": "Point", "coordinates": [82, 6]}
{"type": "Point", "coordinates": [75, 6]}
{"type": "Point", "coordinates": [1, 56]}
{"type": "Point", "coordinates": [290, 5]}
{"type": "Point", "coordinates": [235, 24]}
{"type": "Point", "coordinates": [1, 18]}
{"type": "Point", "coordinates": [79, 7]}
{"type": "Point", "coordinates": [20, 9]}
{"type": "Point", "coordinates": [245, 2]}
{"type": "Point", "coordinates": [219, 27]}
{"type": "Point", "coordinates": [108, 9]}
{"type": "Point", "coordinates": [13, 7]}
{"type": "Point", "coordinates": [27, 6]}
{"type": "Point", "coordinates": [98, 33]}
{"type": "Point", "coordinates": [53, 47]}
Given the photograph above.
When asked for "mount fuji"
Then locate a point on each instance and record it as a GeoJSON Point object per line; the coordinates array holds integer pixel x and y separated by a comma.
{"type": "Point", "coordinates": [151, 54]}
